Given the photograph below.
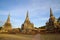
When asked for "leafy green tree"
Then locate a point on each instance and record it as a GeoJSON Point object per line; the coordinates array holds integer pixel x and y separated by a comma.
{"type": "Point", "coordinates": [0, 28]}
{"type": "Point", "coordinates": [58, 19]}
{"type": "Point", "coordinates": [42, 27]}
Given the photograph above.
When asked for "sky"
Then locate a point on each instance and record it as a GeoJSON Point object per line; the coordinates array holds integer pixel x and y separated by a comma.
{"type": "Point", "coordinates": [39, 11]}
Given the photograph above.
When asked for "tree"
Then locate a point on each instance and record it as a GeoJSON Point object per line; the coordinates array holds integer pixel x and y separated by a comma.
{"type": "Point", "coordinates": [0, 28]}
{"type": "Point", "coordinates": [58, 20]}
{"type": "Point", "coordinates": [42, 27]}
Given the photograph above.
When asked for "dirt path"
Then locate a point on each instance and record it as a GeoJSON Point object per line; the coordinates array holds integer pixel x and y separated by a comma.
{"type": "Point", "coordinates": [19, 37]}
{"type": "Point", "coordinates": [36, 37]}
{"type": "Point", "coordinates": [14, 37]}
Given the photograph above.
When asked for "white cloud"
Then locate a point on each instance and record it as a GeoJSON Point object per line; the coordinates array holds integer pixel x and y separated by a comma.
{"type": "Point", "coordinates": [38, 11]}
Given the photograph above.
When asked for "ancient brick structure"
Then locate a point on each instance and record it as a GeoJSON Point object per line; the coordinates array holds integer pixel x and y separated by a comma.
{"type": "Point", "coordinates": [7, 25]}
{"type": "Point", "coordinates": [27, 26]}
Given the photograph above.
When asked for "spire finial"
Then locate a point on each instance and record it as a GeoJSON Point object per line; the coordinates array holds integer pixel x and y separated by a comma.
{"type": "Point", "coordinates": [51, 14]}
{"type": "Point", "coordinates": [27, 14]}
{"type": "Point", "coordinates": [8, 20]}
{"type": "Point", "coordinates": [27, 17]}
{"type": "Point", "coordinates": [9, 14]}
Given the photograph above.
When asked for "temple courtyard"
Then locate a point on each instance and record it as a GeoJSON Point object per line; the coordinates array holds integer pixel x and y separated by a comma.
{"type": "Point", "coordinates": [29, 37]}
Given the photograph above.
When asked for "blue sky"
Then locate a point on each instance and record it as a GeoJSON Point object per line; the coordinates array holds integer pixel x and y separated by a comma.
{"type": "Point", "coordinates": [39, 11]}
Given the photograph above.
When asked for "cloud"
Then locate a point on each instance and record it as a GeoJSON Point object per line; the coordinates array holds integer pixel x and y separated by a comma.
{"type": "Point", "coordinates": [39, 11]}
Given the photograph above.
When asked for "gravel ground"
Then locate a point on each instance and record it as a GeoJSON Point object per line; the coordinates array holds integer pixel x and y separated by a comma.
{"type": "Point", "coordinates": [14, 37]}
{"type": "Point", "coordinates": [30, 37]}
{"type": "Point", "coordinates": [37, 37]}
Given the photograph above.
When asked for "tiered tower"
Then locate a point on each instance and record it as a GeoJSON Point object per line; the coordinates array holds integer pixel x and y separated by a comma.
{"type": "Point", "coordinates": [27, 26]}
{"type": "Point", "coordinates": [51, 24]}
{"type": "Point", "coordinates": [7, 26]}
